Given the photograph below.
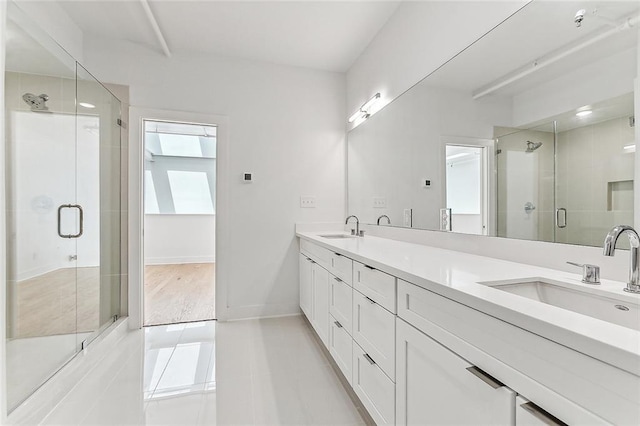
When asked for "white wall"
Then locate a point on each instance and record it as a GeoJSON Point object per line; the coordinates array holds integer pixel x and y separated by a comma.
{"type": "Point", "coordinates": [171, 238]}
{"type": "Point", "coordinates": [286, 125]}
{"type": "Point", "coordinates": [416, 40]}
{"type": "Point", "coordinates": [52, 18]}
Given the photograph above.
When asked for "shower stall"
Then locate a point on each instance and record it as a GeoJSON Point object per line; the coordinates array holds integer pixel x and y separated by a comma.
{"type": "Point", "coordinates": [63, 207]}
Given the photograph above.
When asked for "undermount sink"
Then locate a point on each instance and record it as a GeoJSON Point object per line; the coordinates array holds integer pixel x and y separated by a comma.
{"type": "Point", "coordinates": [608, 308]}
{"type": "Point", "coordinates": [334, 236]}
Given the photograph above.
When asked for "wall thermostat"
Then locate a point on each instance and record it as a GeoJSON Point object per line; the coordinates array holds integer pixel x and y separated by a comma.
{"type": "Point", "coordinates": [247, 177]}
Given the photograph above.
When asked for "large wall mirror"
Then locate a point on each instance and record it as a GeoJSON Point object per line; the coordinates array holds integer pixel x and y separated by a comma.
{"type": "Point", "coordinates": [528, 133]}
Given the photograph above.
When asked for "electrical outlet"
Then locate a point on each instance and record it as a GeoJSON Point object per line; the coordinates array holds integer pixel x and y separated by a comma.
{"type": "Point", "coordinates": [379, 203]}
{"type": "Point", "coordinates": [408, 218]}
{"type": "Point", "coordinates": [308, 202]}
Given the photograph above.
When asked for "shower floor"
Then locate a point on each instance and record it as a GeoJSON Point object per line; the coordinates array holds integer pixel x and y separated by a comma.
{"type": "Point", "coordinates": [176, 293]}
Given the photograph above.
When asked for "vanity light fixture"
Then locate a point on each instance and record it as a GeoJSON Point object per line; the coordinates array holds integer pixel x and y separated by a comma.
{"type": "Point", "coordinates": [86, 105]}
{"type": "Point", "coordinates": [584, 113]}
{"type": "Point", "coordinates": [363, 111]}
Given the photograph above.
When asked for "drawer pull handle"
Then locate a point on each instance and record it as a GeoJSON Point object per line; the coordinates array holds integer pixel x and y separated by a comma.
{"type": "Point", "coordinates": [312, 261]}
{"type": "Point", "coordinates": [488, 379]}
{"type": "Point", "coordinates": [337, 254]}
{"type": "Point", "coordinates": [542, 415]}
{"type": "Point", "coordinates": [373, 302]}
{"type": "Point", "coordinates": [337, 279]}
{"type": "Point", "coordinates": [337, 324]}
{"type": "Point", "coordinates": [368, 358]}
{"type": "Point", "coordinates": [370, 267]}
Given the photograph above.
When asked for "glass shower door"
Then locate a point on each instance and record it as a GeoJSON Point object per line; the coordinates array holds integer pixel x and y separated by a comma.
{"type": "Point", "coordinates": [43, 221]}
{"type": "Point", "coordinates": [98, 177]}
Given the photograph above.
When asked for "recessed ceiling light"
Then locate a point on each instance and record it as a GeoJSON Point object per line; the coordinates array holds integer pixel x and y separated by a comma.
{"type": "Point", "coordinates": [86, 105]}
{"type": "Point", "coordinates": [583, 113]}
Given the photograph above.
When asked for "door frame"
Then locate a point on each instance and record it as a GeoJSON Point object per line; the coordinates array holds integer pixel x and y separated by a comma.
{"type": "Point", "coordinates": [136, 204]}
{"type": "Point", "coordinates": [488, 176]}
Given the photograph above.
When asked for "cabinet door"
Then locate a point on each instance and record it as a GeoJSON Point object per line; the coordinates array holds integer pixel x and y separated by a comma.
{"type": "Point", "coordinates": [375, 390]}
{"type": "Point", "coordinates": [437, 387]}
{"type": "Point", "coordinates": [374, 329]}
{"type": "Point", "coordinates": [306, 295]}
{"type": "Point", "coordinates": [340, 347]}
{"type": "Point", "coordinates": [529, 414]}
{"type": "Point", "coordinates": [341, 302]}
{"type": "Point", "coordinates": [320, 286]}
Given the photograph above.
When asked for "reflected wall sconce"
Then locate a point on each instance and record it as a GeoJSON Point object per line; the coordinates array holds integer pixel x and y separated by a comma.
{"type": "Point", "coordinates": [363, 111]}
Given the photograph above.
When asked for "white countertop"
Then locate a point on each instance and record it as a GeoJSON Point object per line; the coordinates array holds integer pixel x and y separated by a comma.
{"type": "Point", "coordinates": [456, 275]}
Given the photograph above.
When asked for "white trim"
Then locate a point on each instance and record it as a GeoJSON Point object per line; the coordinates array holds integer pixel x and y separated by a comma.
{"type": "Point", "coordinates": [178, 260]}
{"type": "Point", "coordinates": [136, 208]}
{"type": "Point", "coordinates": [156, 27]}
{"type": "Point", "coordinates": [3, 230]}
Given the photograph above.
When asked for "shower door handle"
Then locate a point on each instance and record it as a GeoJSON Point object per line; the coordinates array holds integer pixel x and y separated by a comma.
{"type": "Point", "coordinates": [564, 217]}
{"type": "Point", "coordinates": [70, 206]}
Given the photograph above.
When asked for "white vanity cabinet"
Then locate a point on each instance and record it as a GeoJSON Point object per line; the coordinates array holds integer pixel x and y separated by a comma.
{"type": "Point", "coordinates": [314, 295]}
{"type": "Point", "coordinates": [437, 387]}
{"type": "Point", "coordinates": [374, 388]}
{"type": "Point", "coordinates": [320, 318]}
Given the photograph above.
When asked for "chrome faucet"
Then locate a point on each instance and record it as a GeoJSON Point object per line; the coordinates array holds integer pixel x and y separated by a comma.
{"type": "Point", "coordinates": [385, 216]}
{"type": "Point", "coordinates": [357, 223]}
{"type": "Point", "coordinates": [633, 286]}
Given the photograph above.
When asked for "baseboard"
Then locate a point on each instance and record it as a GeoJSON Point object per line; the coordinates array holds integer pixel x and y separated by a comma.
{"type": "Point", "coordinates": [178, 260]}
{"type": "Point", "coordinates": [34, 410]}
{"type": "Point", "coordinates": [256, 312]}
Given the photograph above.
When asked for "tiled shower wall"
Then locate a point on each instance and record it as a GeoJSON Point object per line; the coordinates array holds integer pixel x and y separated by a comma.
{"type": "Point", "coordinates": [595, 180]}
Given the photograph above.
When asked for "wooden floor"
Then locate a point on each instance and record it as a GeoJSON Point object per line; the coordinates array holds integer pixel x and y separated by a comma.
{"type": "Point", "coordinates": [64, 301]}
{"type": "Point", "coordinates": [179, 293]}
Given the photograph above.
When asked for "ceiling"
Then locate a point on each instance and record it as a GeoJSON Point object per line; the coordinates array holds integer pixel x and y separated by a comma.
{"type": "Point", "coordinates": [324, 35]}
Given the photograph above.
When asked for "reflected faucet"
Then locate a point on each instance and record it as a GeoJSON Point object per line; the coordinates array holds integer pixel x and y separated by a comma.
{"type": "Point", "coordinates": [385, 216]}
{"type": "Point", "coordinates": [357, 223]}
{"type": "Point", "coordinates": [633, 286]}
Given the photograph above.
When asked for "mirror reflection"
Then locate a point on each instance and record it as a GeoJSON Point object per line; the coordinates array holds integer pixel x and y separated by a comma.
{"type": "Point", "coordinates": [528, 133]}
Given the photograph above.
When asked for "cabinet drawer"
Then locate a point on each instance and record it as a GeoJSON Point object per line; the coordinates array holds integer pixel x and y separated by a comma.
{"type": "Point", "coordinates": [341, 348]}
{"type": "Point", "coordinates": [375, 390]}
{"type": "Point", "coordinates": [317, 253]}
{"type": "Point", "coordinates": [341, 302]}
{"type": "Point", "coordinates": [529, 414]}
{"type": "Point", "coordinates": [376, 285]}
{"type": "Point", "coordinates": [374, 330]}
{"type": "Point", "coordinates": [342, 267]}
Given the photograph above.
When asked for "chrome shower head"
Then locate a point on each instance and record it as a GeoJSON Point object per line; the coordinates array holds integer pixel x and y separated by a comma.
{"type": "Point", "coordinates": [36, 102]}
{"type": "Point", "coordinates": [532, 146]}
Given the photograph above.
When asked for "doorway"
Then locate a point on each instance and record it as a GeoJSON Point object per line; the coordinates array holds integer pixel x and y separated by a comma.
{"type": "Point", "coordinates": [179, 184]}
{"type": "Point", "coordinates": [467, 189]}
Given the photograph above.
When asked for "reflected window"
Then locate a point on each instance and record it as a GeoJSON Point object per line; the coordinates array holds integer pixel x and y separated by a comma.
{"type": "Point", "coordinates": [150, 198]}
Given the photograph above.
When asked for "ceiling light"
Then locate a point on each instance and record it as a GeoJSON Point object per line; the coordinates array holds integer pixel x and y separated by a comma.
{"type": "Point", "coordinates": [363, 111]}
{"type": "Point", "coordinates": [584, 113]}
{"type": "Point", "coordinates": [86, 105]}
{"type": "Point", "coordinates": [461, 154]}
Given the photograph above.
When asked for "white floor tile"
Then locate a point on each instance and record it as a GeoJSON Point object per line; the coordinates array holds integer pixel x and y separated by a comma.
{"type": "Point", "coordinates": [262, 372]}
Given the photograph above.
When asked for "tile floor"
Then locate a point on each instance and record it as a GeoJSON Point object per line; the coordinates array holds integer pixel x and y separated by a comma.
{"type": "Point", "coordinates": [262, 372]}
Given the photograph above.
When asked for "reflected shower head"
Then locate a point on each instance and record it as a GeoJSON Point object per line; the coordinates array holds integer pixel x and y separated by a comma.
{"type": "Point", "coordinates": [36, 102]}
{"type": "Point", "coordinates": [532, 146]}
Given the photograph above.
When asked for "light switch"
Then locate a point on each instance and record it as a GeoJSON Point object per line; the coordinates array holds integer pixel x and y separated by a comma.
{"type": "Point", "coordinates": [308, 202]}
{"type": "Point", "coordinates": [379, 203]}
